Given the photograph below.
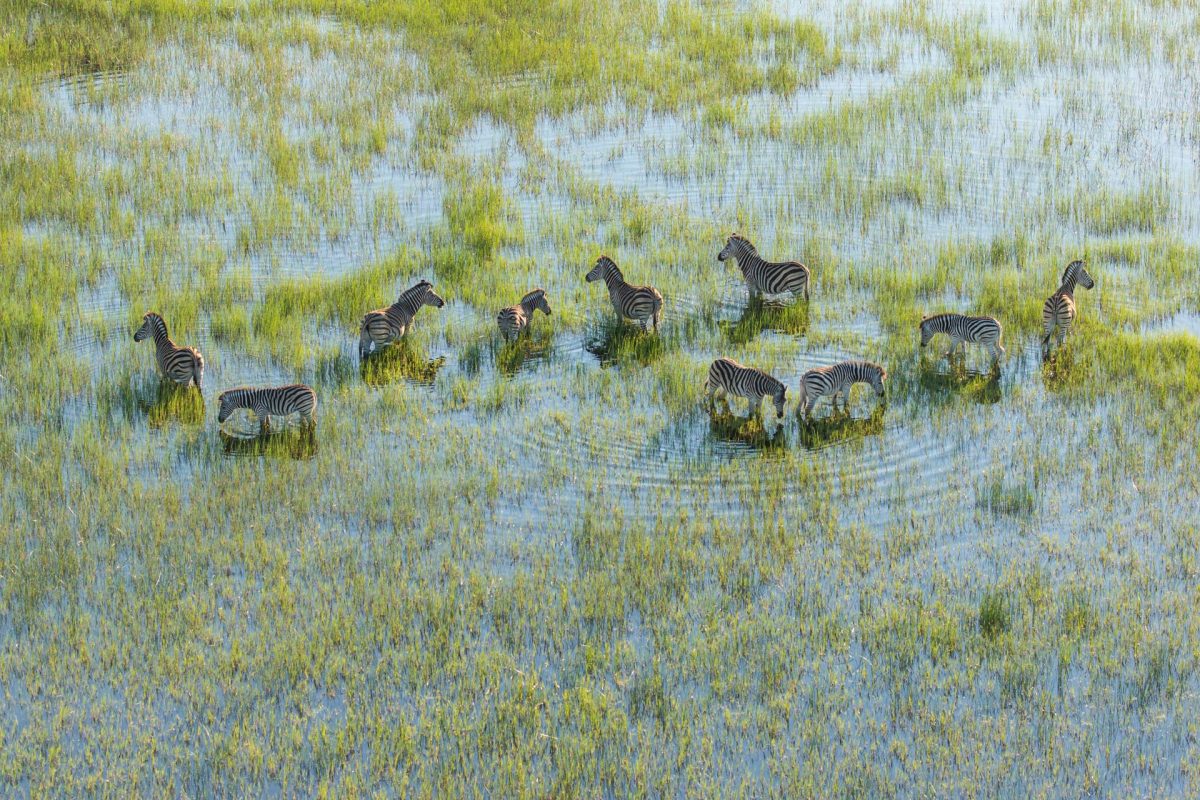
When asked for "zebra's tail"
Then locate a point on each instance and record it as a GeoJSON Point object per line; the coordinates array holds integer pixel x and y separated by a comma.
{"type": "Point", "coordinates": [198, 370]}
{"type": "Point", "coordinates": [801, 399]}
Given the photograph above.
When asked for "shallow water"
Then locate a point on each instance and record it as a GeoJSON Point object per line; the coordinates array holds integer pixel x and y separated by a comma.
{"type": "Point", "coordinates": [481, 463]}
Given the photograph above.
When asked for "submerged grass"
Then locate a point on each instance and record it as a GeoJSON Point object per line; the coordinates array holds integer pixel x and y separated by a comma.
{"type": "Point", "coordinates": [543, 568]}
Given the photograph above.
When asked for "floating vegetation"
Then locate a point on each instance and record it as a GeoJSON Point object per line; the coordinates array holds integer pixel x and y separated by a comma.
{"type": "Point", "coordinates": [541, 568]}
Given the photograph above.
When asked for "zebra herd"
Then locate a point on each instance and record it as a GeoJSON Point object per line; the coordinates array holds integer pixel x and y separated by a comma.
{"type": "Point", "coordinates": [644, 305]}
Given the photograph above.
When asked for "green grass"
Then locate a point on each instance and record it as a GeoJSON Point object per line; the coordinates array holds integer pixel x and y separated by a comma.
{"type": "Point", "coordinates": [542, 569]}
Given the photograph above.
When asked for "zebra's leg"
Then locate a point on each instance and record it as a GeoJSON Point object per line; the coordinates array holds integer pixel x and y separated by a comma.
{"type": "Point", "coordinates": [264, 425]}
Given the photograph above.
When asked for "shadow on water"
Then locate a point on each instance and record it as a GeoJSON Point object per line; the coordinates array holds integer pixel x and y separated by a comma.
{"type": "Point", "coordinates": [530, 349]}
{"type": "Point", "coordinates": [399, 362]}
{"type": "Point", "coordinates": [1061, 371]}
{"type": "Point", "coordinates": [938, 382]}
{"type": "Point", "coordinates": [297, 443]}
{"type": "Point", "coordinates": [840, 428]}
{"type": "Point", "coordinates": [760, 316]}
{"type": "Point", "coordinates": [752, 431]}
{"type": "Point", "coordinates": [613, 342]}
{"type": "Point", "coordinates": [166, 402]}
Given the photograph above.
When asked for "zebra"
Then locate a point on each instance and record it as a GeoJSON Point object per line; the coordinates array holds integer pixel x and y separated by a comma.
{"type": "Point", "coordinates": [837, 380]}
{"type": "Point", "coordinates": [726, 377]}
{"type": "Point", "coordinates": [183, 365]}
{"type": "Point", "coordinates": [1059, 309]}
{"type": "Point", "coordinates": [278, 401]}
{"type": "Point", "coordinates": [515, 319]}
{"type": "Point", "coordinates": [960, 328]}
{"type": "Point", "coordinates": [640, 303]}
{"type": "Point", "coordinates": [383, 326]}
{"type": "Point", "coordinates": [762, 276]}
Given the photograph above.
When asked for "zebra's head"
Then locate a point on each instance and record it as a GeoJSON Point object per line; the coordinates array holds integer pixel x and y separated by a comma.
{"type": "Point", "coordinates": [926, 329]}
{"type": "Point", "coordinates": [779, 397]}
{"type": "Point", "coordinates": [1076, 272]}
{"type": "Point", "coordinates": [877, 380]}
{"type": "Point", "coordinates": [226, 405]}
{"type": "Point", "coordinates": [735, 245]}
{"type": "Point", "coordinates": [430, 297]}
{"type": "Point", "coordinates": [536, 299]}
{"type": "Point", "coordinates": [604, 267]}
{"type": "Point", "coordinates": [149, 322]}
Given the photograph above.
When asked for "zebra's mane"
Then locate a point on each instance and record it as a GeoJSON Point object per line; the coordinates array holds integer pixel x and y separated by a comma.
{"type": "Point", "coordinates": [533, 295]}
{"type": "Point", "coordinates": [416, 290]}
{"type": "Point", "coordinates": [610, 265]}
{"type": "Point", "coordinates": [749, 245]}
{"type": "Point", "coordinates": [939, 316]}
{"type": "Point", "coordinates": [1072, 270]}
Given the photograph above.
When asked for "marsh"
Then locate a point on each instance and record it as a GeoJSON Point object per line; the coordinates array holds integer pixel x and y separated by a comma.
{"type": "Point", "coordinates": [545, 569]}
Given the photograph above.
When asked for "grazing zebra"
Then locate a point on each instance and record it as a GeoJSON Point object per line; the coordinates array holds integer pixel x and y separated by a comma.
{"type": "Point", "coordinates": [640, 303]}
{"type": "Point", "coordinates": [278, 401]}
{"type": "Point", "coordinates": [837, 380]}
{"type": "Point", "coordinates": [383, 326]}
{"type": "Point", "coordinates": [762, 276]}
{"type": "Point", "coordinates": [183, 365]}
{"type": "Point", "coordinates": [727, 377]}
{"type": "Point", "coordinates": [515, 319]}
{"type": "Point", "coordinates": [1059, 310]}
{"type": "Point", "coordinates": [975, 330]}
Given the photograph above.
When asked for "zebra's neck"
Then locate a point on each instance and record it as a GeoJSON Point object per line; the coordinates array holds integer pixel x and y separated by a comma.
{"type": "Point", "coordinates": [161, 339]}
{"type": "Point", "coordinates": [746, 256]}
{"type": "Point", "coordinates": [613, 279]}
{"type": "Point", "coordinates": [529, 306]}
{"type": "Point", "coordinates": [407, 306]}
{"type": "Point", "coordinates": [1068, 286]}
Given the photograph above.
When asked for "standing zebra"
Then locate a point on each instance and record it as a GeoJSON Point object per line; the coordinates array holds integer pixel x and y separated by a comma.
{"type": "Point", "coordinates": [1059, 310]}
{"type": "Point", "coordinates": [278, 401]}
{"type": "Point", "coordinates": [837, 381]}
{"type": "Point", "coordinates": [183, 365]}
{"type": "Point", "coordinates": [726, 377]}
{"type": "Point", "coordinates": [960, 328]}
{"type": "Point", "coordinates": [514, 320]}
{"type": "Point", "coordinates": [640, 303]}
{"type": "Point", "coordinates": [762, 276]}
{"type": "Point", "coordinates": [383, 326]}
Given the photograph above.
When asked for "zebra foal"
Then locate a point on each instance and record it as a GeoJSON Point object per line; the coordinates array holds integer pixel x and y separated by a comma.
{"type": "Point", "coordinates": [984, 331]}
{"type": "Point", "coordinates": [1058, 312]}
{"type": "Point", "coordinates": [640, 303]}
{"type": "Point", "coordinates": [726, 377]}
{"type": "Point", "coordinates": [836, 381]}
{"type": "Point", "coordinates": [183, 365]}
{"type": "Point", "coordinates": [762, 276]}
{"type": "Point", "coordinates": [514, 320]}
{"type": "Point", "coordinates": [278, 401]}
{"type": "Point", "coordinates": [383, 326]}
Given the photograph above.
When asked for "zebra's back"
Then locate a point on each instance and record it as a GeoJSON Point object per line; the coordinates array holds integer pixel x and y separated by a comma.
{"type": "Point", "coordinates": [183, 365]}
{"type": "Point", "coordinates": [382, 327]}
{"type": "Point", "coordinates": [637, 302]}
{"type": "Point", "coordinates": [838, 379]}
{"type": "Point", "coordinates": [776, 277]}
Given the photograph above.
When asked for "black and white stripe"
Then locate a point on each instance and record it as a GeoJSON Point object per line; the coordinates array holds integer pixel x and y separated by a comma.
{"type": "Point", "coordinates": [836, 381]}
{"type": "Point", "coordinates": [183, 365]}
{"type": "Point", "coordinates": [383, 326]}
{"type": "Point", "coordinates": [1058, 313]}
{"type": "Point", "coordinates": [960, 328]}
{"type": "Point", "coordinates": [515, 319]}
{"type": "Point", "coordinates": [726, 377]}
{"type": "Point", "coordinates": [762, 276]}
{"type": "Point", "coordinates": [640, 303]}
{"type": "Point", "coordinates": [278, 401]}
